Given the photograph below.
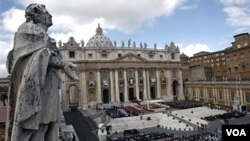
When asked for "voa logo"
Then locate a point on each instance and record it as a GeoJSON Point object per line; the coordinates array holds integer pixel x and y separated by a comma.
{"type": "Point", "coordinates": [236, 132]}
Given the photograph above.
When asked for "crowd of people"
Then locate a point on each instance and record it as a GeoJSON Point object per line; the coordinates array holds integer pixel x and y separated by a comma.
{"type": "Point", "coordinates": [118, 112]}
{"type": "Point", "coordinates": [198, 137]}
{"type": "Point", "coordinates": [137, 136]}
{"type": "Point", "coordinates": [182, 104]}
{"type": "Point", "coordinates": [228, 115]}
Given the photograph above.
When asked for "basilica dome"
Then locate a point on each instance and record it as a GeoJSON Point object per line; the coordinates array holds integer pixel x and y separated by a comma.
{"type": "Point", "coordinates": [99, 40]}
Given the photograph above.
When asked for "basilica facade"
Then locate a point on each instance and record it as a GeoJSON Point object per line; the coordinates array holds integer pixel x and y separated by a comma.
{"type": "Point", "coordinates": [111, 73]}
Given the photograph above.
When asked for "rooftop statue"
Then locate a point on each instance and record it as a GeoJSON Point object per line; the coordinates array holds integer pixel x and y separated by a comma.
{"type": "Point", "coordinates": [155, 46]}
{"type": "Point", "coordinates": [123, 43]}
{"type": "Point", "coordinates": [34, 61]}
{"type": "Point", "coordinates": [129, 42]}
{"type": "Point", "coordinates": [82, 43]}
{"type": "Point", "coordinates": [134, 44]}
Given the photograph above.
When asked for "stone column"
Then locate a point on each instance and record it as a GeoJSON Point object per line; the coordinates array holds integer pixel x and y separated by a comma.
{"type": "Point", "coordinates": [144, 85]}
{"type": "Point", "coordinates": [227, 97]}
{"type": "Point", "coordinates": [137, 85]}
{"type": "Point", "coordinates": [117, 94]}
{"type": "Point", "coordinates": [180, 87]}
{"type": "Point", "coordinates": [158, 83]}
{"type": "Point", "coordinates": [206, 95]}
{"type": "Point", "coordinates": [244, 97]}
{"type": "Point", "coordinates": [224, 96]}
{"type": "Point", "coordinates": [99, 91]}
{"type": "Point", "coordinates": [148, 84]}
{"type": "Point", "coordinates": [169, 86]}
{"type": "Point", "coordinates": [125, 86]}
{"type": "Point", "coordinates": [112, 86]}
{"type": "Point", "coordinates": [84, 90]}
{"type": "Point", "coordinates": [241, 96]}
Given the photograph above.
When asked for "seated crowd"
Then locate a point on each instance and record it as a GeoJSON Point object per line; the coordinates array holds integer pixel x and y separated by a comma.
{"type": "Point", "coordinates": [228, 115]}
{"type": "Point", "coordinates": [118, 112]}
{"type": "Point", "coordinates": [135, 135]}
{"type": "Point", "coordinates": [198, 137]}
{"type": "Point", "coordinates": [183, 104]}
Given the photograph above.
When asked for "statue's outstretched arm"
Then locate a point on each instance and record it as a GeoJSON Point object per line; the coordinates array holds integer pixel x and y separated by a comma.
{"type": "Point", "coordinates": [68, 67]}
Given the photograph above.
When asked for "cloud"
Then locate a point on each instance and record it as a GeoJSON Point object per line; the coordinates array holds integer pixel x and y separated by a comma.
{"type": "Point", "coordinates": [11, 19]}
{"type": "Point", "coordinates": [238, 13]}
{"type": "Point", "coordinates": [5, 47]}
{"type": "Point", "coordinates": [123, 15]}
{"type": "Point", "coordinates": [80, 18]}
{"type": "Point", "coordinates": [233, 2]}
{"type": "Point", "coordinates": [189, 7]}
{"type": "Point", "coordinates": [191, 49]}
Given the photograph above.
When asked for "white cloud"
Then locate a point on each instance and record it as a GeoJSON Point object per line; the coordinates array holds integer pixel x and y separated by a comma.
{"type": "Point", "coordinates": [191, 49]}
{"type": "Point", "coordinates": [5, 47]}
{"type": "Point", "coordinates": [80, 18]}
{"type": "Point", "coordinates": [238, 13]}
{"type": "Point", "coordinates": [11, 19]}
{"type": "Point", "coordinates": [233, 2]}
{"type": "Point", "coordinates": [124, 15]}
{"type": "Point", "coordinates": [238, 16]}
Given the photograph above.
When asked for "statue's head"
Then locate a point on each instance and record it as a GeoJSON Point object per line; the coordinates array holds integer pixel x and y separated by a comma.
{"type": "Point", "coordinates": [38, 14]}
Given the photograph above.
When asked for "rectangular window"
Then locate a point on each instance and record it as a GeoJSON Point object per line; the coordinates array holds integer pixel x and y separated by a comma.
{"type": "Point", "coordinates": [104, 55]}
{"type": "Point", "coordinates": [139, 55]}
{"type": "Point", "coordinates": [71, 54]}
{"type": "Point", "coordinates": [220, 94]}
{"type": "Point", "coordinates": [119, 54]}
{"type": "Point", "coordinates": [210, 95]}
{"type": "Point", "coordinates": [151, 56]}
{"type": "Point", "coordinates": [201, 93]}
{"type": "Point", "coordinates": [173, 56]}
{"type": "Point", "coordinates": [161, 57]}
{"type": "Point", "coordinates": [232, 95]}
{"type": "Point", "coordinates": [90, 56]}
{"type": "Point", "coordinates": [248, 98]}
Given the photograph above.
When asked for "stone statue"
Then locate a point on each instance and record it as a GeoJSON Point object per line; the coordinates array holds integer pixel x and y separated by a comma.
{"type": "Point", "coordinates": [82, 43]}
{"type": "Point", "coordinates": [123, 43]}
{"type": "Point", "coordinates": [145, 45]}
{"type": "Point", "coordinates": [141, 46]}
{"type": "Point", "coordinates": [114, 43]}
{"type": "Point", "coordinates": [166, 46]}
{"type": "Point", "coordinates": [129, 42]}
{"type": "Point", "coordinates": [134, 44]}
{"type": "Point", "coordinates": [34, 61]}
{"type": "Point", "coordinates": [60, 43]}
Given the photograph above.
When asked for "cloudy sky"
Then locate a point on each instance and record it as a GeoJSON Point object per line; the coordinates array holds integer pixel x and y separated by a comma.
{"type": "Point", "coordinates": [195, 25]}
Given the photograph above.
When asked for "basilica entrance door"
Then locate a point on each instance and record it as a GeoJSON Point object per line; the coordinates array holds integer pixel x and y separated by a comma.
{"type": "Point", "coordinates": [121, 97]}
{"type": "Point", "coordinates": [105, 96]}
{"type": "Point", "coordinates": [73, 96]}
{"type": "Point", "coordinates": [152, 92]}
{"type": "Point", "coordinates": [175, 89]}
{"type": "Point", "coordinates": [141, 95]}
{"type": "Point", "coordinates": [131, 94]}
